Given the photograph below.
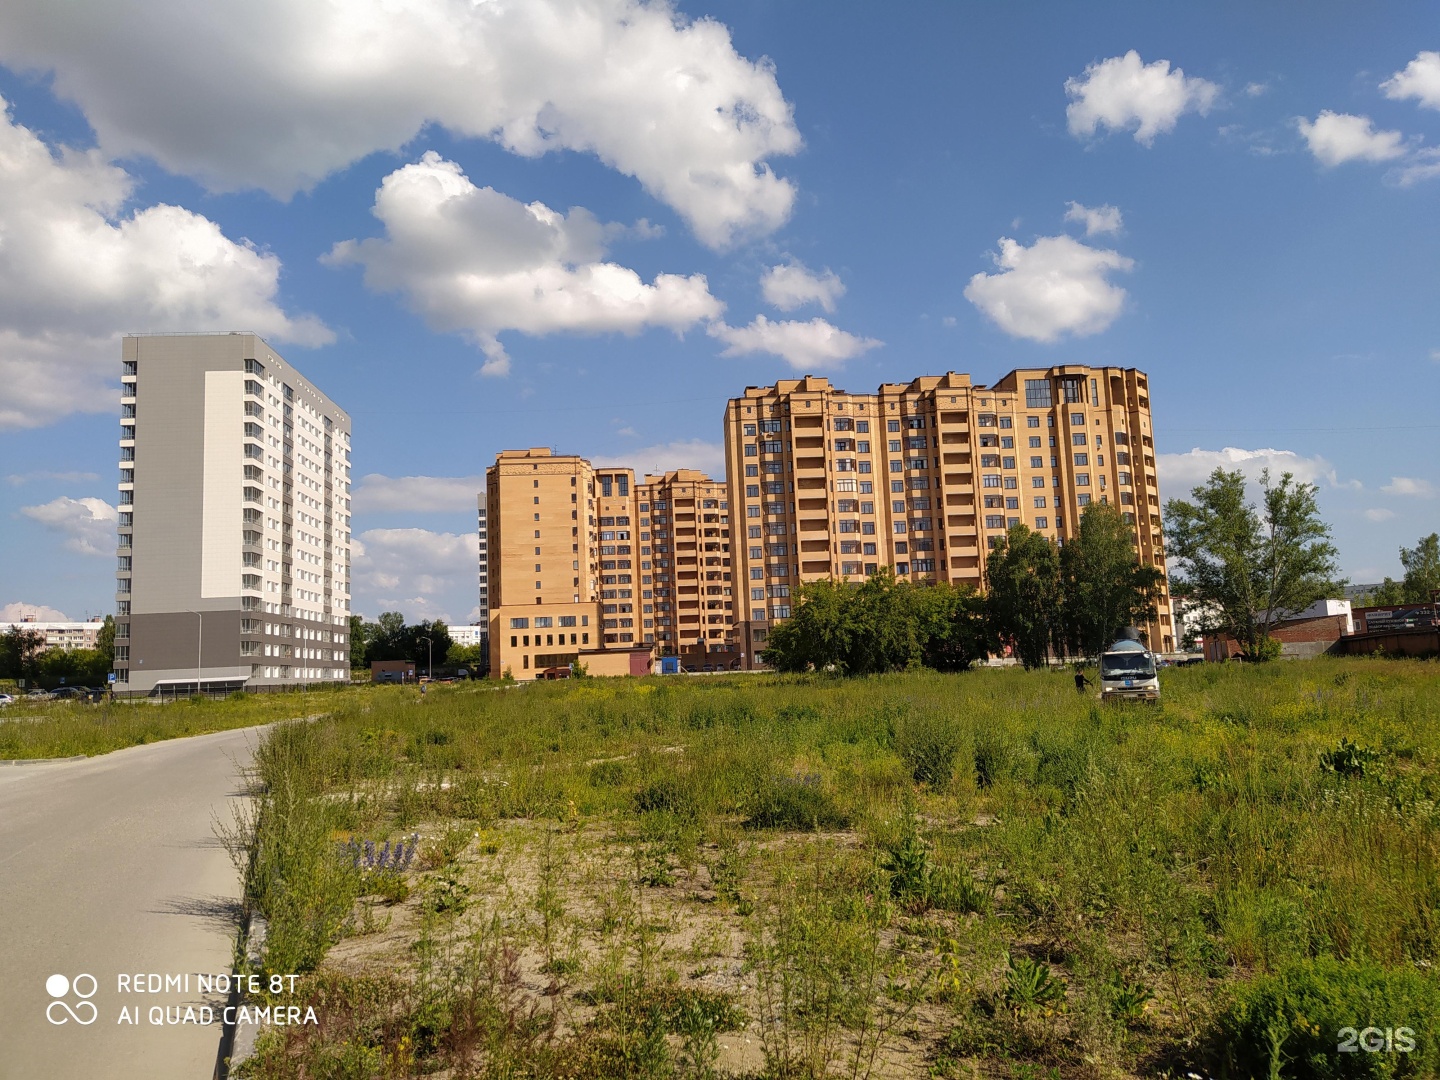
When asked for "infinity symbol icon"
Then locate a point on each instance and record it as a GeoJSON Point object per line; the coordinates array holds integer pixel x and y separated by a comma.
{"type": "Point", "coordinates": [57, 986]}
{"type": "Point", "coordinates": [50, 1012]}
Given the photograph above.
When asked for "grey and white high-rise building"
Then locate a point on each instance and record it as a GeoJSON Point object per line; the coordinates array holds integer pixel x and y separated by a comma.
{"type": "Point", "coordinates": [234, 547]}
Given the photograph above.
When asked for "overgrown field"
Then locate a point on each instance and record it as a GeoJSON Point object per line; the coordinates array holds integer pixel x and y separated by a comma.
{"type": "Point", "coordinates": [918, 875]}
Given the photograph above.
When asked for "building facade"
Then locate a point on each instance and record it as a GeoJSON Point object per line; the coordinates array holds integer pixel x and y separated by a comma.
{"type": "Point", "coordinates": [927, 476]}
{"type": "Point", "coordinates": [234, 528]}
{"type": "Point", "coordinates": [583, 561]}
{"type": "Point", "coordinates": [685, 516]}
{"type": "Point", "coordinates": [61, 635]}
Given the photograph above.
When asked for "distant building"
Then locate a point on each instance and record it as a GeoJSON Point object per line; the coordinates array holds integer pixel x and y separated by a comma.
{"type": "Point", "coordinates": [387, 671]}
{"type": "Point", "coordinates": [62, 635]}
{"type": "Point", "coordinates": [468, 635]}
{"type": "Point", "coordinates": [583, 561]}
{"type": "Point", "coordinates": [234, 527]}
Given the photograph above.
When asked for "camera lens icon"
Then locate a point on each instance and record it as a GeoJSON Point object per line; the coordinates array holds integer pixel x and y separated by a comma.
{"type": "Point", "coordinates": [58, 987]}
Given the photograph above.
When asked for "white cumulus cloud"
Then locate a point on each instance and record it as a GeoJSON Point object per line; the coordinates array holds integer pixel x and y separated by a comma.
{"type": "Point", "coordinates": [422, 574]}
{"type": "Point", "coordinates": [1421, 165]}
{"type": "Point", "coordinates": [1419, 81]}
{"type": "Point", "coordinates": [707, 457]}
{"type": "Point", "coordinates": [1335, 138]}
{"type": "Point", "coordinates": [472, 260]}
{"type": "Point", "coordinates": [1181, 472]}
{"type": "Point", "coordinates": [1057, 286]}
{"type": "Point", "coordinates": [1409, 485]}
{"type": "Point", "coordinates": [76, 271]}
{"type": "Point", "coordinates": [377, 493]}
{"type": "Point", "coordinates": [88, 525]}
{"type": "Point", "coordinates": [1096, 219]}
{"type": "Point", "coordinates": [812, 346]}
{"type": "Point", "coordinates": [1124, 93]}
{"type": "Point", "coordinates": [792, 285]}
{"type": "Point", "coordinates": [19, 610]}
{"type": "Point", "coordinates": [277, 95]}
{"type": "Point", "coordinates": [1379, 514]}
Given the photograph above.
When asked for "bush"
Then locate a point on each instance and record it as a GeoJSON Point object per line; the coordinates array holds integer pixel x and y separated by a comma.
{"type": "Point", "coordinates": [1290, 1023]}
{"type": "Point", "coordinates": [795, 802]}
{"type": "Point", "coordinates": [928, 745]}
{"type": "Point", "coordinates": [673, 794]}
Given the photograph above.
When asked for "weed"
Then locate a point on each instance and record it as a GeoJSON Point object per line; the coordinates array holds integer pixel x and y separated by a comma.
{"type": "Point", "coordinates": [795, 802]}
{"type": "Point", "coordinates": [1349, 759]}
{"type": "Point", "coordinates": [1031, 985]}
{"type": "Point", "coordinates": [447, 894]}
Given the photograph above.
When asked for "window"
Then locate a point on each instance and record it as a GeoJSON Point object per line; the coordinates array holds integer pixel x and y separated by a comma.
{"type": "Point", "coordinates": [757, 594]}
{"type": "Point", "coordinates": [1077, 419]}
{"type": "Point", "coordinates": [994, 521]}
{"type": "Point", "coordinates": [519, 624]}
{"type": "Point", "coordinates": [990, 480]}
{"type": "Point", "coordinates": [902, 568]}
{"type": "Point", "coordinates": [752, 470]}
{"type": "Point", "coordinates": [1082, 479]}
{"type": "Point", "coordinates": [756, 573]}
{"type": "Point", "coordinates": [1009, 463]}
{"type": "Point", "coordinates": [1083, 498]}
{"type": "Point", "coordinates": [1037, 481]}
{"type": "Point", "coordinates": [1007, 442]}
{"type": "Point", "coordinates": [752, 491]}
{"type": "Point", "coordinates": [1082, 459]}
{"type": "Point", "coordinates": [989, 461]}
{"type": "Point", "coordinates": [1006, 422]}
{"type": "Point", "coordinates": [1037, 395]}
{"type": "Point", "coordinates": [1011, 483]}
{"type": "Point", "coordinates": [1042, 523]}
{"type": "Point", "coordinates": [892, 425]}
{"type": "Point", "coordinates": [894, 446]}
{"type": "Point", "coordinates": [750, 450]}
{"type": "Point", "coordinates": [844, 423]}
{"type": "Point", "coordinates": [750, 430]}
{"type": "Point", "coordinates": [769, 427]}
{"type": "Point", "coordinates": [1032, 421]}
{"type": "Point", "coordinates": [753, 532]}
{"type": "Point", "coordinates": [567, 620]}
{"type": "Point", "coordinates": [1040, 502]}
{"type": "Point", "coordinates": [900, 528]}
{"type": "Point", "coordinates": [862, 426]}
{"type": "Point", "coordinates": [1125, 479]}
{"type": "Point", "coordinates": [1078, 439]}
{"type": "Point", "coordinates": [752, 511]}
{"type": "Point", "coordinates": [770, 447]}
{"type": "Point", "coordinates": [1037, 462]}
{"type": "Point", "coordinates": [773, 467]}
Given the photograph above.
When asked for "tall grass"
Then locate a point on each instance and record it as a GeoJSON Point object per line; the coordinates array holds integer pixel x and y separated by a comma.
{"type": "Point", "coordinates": [1153, 870]}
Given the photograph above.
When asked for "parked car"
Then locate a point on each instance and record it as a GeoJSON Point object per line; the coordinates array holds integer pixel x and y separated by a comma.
{"type": "Point", "coordinates": [67, 692]}
{"type": "Point", "coordinates": [39, 695]}
{"type": "Point", "coordinates": [6, 699]}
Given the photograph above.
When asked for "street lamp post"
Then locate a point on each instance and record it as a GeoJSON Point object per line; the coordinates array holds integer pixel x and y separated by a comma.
{"type": "Point", "coordinates": [430, 665]}
{"type": "Point", "coordinates": [199, 643]}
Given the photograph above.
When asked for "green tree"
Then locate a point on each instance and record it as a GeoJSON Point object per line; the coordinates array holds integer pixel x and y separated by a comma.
{"type": "Point", "coordinates": [1103, 585]}
{"type": "Point", "coordinates": [360, 634]}
{"type": "Point", "coordinates": [20, 653]}
{"type": "Point", "coordinates": [878, 625]}
{"type": "Point", "coordinates": [105, 642]}
{"type": "Point", "coordinates": [954, 629]}
{"type": "Point", "coordinates": [1023, 576]}
{"type": "Point", "coordinates": [387, 639]}
{"type": "Point", "coordinates": [1244, 569]}
{"type": "Point", "coordinates": [1421, 580]}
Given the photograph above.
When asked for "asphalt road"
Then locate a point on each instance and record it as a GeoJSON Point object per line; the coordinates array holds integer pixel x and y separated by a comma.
{"type": "Point", "coordinates": [110, 867]}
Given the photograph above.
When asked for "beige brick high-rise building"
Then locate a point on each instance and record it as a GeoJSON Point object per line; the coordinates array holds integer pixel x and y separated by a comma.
{"type": "Point", "coordinates": [582, 564]}
{"type": "Point", "coordinates": [926, 476]}
{"type": "Point", "coordinates": [688, 518]}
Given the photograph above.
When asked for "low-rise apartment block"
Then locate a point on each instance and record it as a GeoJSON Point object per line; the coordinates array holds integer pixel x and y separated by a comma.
{"type": "Point", "coordinates": [61, 635]}
{"type": "Point", "coordinates": [234, 527]}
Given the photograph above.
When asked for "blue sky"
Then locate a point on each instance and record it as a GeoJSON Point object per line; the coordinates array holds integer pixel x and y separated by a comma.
{"type": "Point", "coordinates": [585, 224]}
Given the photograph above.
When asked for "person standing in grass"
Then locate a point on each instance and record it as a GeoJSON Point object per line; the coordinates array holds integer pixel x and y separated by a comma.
{"type": "Point", "coordinates": [1081, 681]}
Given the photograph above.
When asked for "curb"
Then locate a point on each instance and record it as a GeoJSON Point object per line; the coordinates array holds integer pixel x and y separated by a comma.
{"type": "Point", "coordinates": [42, 760]}
{"type": "Point", "coordinates": [237, 1040]}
